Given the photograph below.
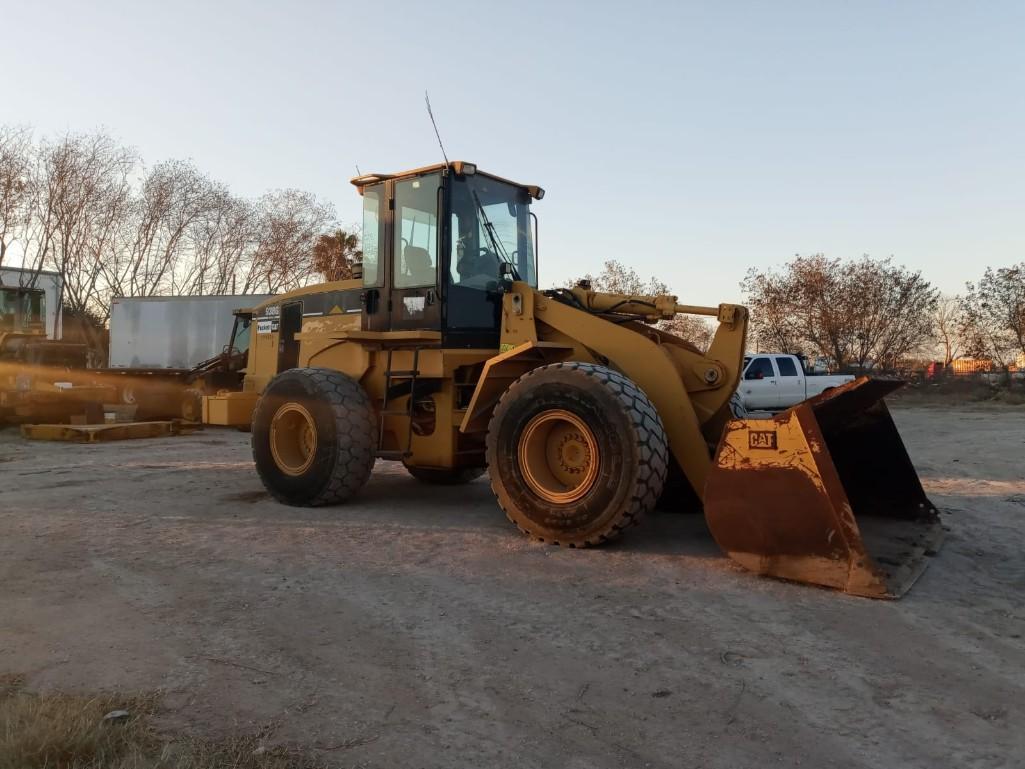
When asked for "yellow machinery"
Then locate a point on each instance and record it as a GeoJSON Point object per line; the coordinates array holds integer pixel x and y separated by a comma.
{"type": "Point", "coordinates": [447, 357]}
{"type": "Point", "coordinates": [34, 370]}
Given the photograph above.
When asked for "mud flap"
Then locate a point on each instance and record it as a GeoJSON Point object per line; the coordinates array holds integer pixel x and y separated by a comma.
{"type": "Point", "coordinates": [824, 493]}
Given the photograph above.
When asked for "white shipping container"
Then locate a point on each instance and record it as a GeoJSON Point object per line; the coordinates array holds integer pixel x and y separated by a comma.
{"type": "Point", "coordinates": [50, 282]}
{"type": "Point", "coordinates": [172, 332]}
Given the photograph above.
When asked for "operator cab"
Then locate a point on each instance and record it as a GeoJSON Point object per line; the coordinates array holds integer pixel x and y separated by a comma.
{"type": "Point", "coordinates": [439, 243]}
{"type": "Point", "coordinates": [22, 310]}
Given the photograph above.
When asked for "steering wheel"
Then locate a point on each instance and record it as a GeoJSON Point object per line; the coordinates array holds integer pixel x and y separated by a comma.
{"type": "Point", "coordinates": [490, 260]}
{"type": "Point", "coordinates": [472, 264]}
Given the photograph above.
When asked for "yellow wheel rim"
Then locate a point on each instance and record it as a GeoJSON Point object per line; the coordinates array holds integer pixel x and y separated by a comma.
{"type": "Point", "coordinates": [293, 439]}
{"type": "Point", "coordinates": [558, 456]}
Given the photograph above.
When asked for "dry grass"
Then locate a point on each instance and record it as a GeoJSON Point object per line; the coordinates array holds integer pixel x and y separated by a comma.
{"type": "Point", "coordinates": [61, 731]}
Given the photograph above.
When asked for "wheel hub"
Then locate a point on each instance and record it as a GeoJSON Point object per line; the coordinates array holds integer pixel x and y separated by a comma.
{"type": "Point", "coordinates": [293, 439]}
{"type": "Point", "coordinates": [558, 456]}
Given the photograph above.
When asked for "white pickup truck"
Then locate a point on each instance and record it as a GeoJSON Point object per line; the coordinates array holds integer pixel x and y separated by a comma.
{"type": "Point", "coordinates": [774, 381]}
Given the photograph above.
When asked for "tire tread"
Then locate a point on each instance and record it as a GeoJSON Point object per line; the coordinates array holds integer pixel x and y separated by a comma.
{"type": "Point", "coordinates": [652, 441]}
{"type": "Point", "coordinates": [353, 418]}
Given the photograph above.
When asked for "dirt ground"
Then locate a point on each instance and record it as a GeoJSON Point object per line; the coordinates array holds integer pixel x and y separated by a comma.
{"type": "Point", "coordinates": [418, 628]}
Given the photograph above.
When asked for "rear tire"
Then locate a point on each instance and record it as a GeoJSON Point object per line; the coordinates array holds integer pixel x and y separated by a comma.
{"type": "Point", "coordinates": [576, 453]}
{"type": "Point", "coordinates": [314, 437]}
{"type": "Point", "coordinates": [446, 476]}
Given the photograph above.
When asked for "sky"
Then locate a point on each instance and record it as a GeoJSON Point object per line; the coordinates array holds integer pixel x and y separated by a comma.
{"type": "Point", "coordinates": [692, 141]}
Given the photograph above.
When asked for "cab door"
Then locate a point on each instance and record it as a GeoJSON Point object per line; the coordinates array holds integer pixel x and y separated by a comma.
{"type": "Point", "coordinates": [375, 296]}
{"type": "Point", "coordinates": [791, 388]}
{"type": "Point", "coordinates": [759, 386]}
{"type": "Point", "coordinates": [290, 323]}
{"type": "Point", "coordinates": [415, 244]}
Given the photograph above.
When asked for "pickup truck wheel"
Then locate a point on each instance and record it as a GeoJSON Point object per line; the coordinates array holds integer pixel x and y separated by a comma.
{"type": "Point", "coordinates": [737, 407]}
{"type": "Point", "coordinates": [314, 437]}
{"type": "Point", "coordinates": [576, 453]}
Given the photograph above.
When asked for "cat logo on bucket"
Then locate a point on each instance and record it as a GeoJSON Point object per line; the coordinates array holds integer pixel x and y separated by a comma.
{"type": "Point", "coordinates": [761, 439]}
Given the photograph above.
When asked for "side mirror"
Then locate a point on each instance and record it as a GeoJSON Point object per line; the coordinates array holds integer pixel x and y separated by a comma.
{"type": "Point", "coordinates": [505, 273]}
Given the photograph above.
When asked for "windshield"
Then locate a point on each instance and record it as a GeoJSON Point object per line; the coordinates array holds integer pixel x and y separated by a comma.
{"type": "Point", "coordinates": [33, 306]}
{"type": "Point", "coordinates": [241, 341]}
{"type": "Point", "coordinates": [21, 308]}
{"type": "Point", "coordinates": [371, 250]}
{"type": "Point", "coordinates": [8, 309]}
{"type": "Point", "coordinates": [491, 224]}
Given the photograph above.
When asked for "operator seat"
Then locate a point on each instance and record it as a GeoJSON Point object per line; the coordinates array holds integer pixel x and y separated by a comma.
{"type": "Point", "coordinates": [419, 266]}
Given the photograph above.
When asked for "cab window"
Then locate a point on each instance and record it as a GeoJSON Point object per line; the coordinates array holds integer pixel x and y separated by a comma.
{"type": "Point", "coordinates": [8, 308]}
{"type": "Point", "coordinates": [490, 225]}
{"type": "Point", "coordinates": [416, 232]}
{"type": "Point", "coordinates": [241, 341]}
{"type": "Point", "coordinates": [786, 366]}
{"type": "Point", "coordinates": [34, 306]}
{"type": "Point", "coordinates": [371, 236]}
{"type": "Point", "coordinates": [760, 368]}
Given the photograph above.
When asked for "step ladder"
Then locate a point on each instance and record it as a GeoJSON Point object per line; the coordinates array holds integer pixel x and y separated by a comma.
{"type": "Point", "coordinates": [390, 377]}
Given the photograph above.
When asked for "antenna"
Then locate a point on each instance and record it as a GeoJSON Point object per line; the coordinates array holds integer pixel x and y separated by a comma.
{"type": "Point", "coordinates": [358, 172]}
{"type": "Point", "coordinates": [430, 114]}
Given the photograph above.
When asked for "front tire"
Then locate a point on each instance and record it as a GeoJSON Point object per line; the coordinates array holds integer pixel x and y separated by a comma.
{"type": "Point", "coordinates": [314, 437]}
{"type": "Point", "coordinates": [576, 453]}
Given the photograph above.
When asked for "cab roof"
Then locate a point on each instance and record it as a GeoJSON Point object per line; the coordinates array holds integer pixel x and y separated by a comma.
{"type": "Point", "coordinates": [460, 167]}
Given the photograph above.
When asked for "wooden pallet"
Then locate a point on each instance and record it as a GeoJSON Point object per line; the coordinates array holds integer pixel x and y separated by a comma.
{"type": "Point", "coordinates": [112, 432]}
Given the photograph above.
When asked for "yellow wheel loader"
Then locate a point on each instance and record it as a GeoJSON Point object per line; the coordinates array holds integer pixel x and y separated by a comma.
{"type": "Point", "coordinates": [31, 365]}
{"type": "Point", "coordinates": [443, 354]}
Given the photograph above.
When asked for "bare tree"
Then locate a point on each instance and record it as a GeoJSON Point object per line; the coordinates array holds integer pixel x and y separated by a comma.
{"type": "Point", "coordinates": [771, 297]}
{"type": "Point", "coordinates": [222, 243]}
{"type": "Point", "coordinates": [894, 319]}
{"type": "Point", "coordinates": [616, 278]}
{"type": "Point", "coordinates": [858, 313]}
{"type": "Point", "coordinates": [695, 329]}
{"type": "Point", "coordinates": [83, 199]}
{"type": "Point", "coordinates": [15, 186]}
{"type": "Point", "coordinates": [174, 196]}
{"type": "Point", "coordinates": [290, 221]}
{"type": "Point", "coordinates": [948, 322]}
{"type": "Point", "coordinates": [994, 314]}
{"type": "Point", "coordinates": [81, 204]}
